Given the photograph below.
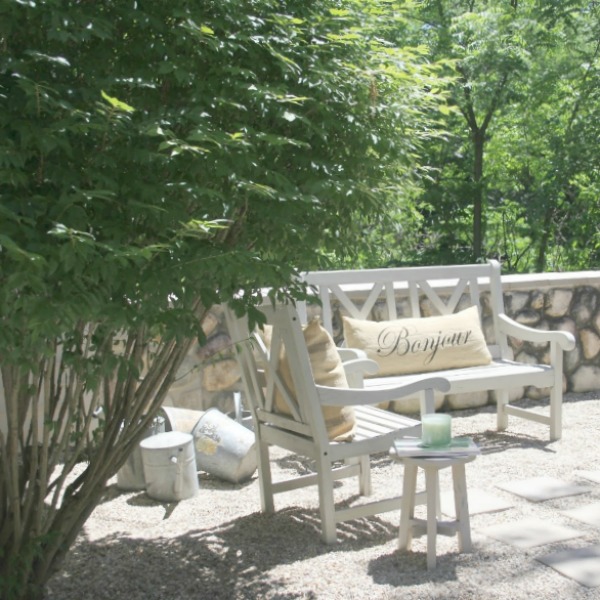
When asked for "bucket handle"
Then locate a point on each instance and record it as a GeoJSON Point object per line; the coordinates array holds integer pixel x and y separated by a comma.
{"type": "Point", "coordinates": [178, 474]}
{"type": "Point", "coordinates": [237, 401]}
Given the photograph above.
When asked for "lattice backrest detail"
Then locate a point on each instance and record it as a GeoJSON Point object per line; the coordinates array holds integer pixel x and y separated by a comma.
{"type": "Point", "coordinates": [354, 310]}
{"type": "Point", "coordinates": [444, 289]}
{"type": "Point", "coordinates": [265, 358]}
{"type": "Point", "coordinates": [423, 289]}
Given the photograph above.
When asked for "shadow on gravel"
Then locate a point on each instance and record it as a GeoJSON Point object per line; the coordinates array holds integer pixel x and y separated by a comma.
{"type": "Point", "coordinates": [231, 561]}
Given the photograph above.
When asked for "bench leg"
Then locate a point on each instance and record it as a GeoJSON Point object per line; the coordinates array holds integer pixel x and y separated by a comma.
{"type": "Point", "coordinates": [501, 403]}
{"type": "Point", "coordinates": [265, 478]}
{"type": "Point", "coordinates": [556, 412]}
{"type": "Point", "coordinates": [427, 402]}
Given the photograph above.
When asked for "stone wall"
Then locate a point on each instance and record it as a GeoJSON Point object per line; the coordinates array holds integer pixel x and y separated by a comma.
{"type": "Point", "coordinates": [567, 301]}
{"type": "Point", "coordinates": [564, 301]}
{"type": "Point", "coordinates": [210, 374]}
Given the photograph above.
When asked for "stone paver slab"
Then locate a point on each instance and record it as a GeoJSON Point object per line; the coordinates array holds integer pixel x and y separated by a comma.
{"type": "Point", "coordinates": [529, 533]}
{"type": "Point", "coordinates": [591, 475]}
{"type": "Point", "coordinates": [590, 513]}
{"type": "Point", "coordinates": [479, 502]}
{"type": "Point", "coordinates": [538, 489]}
{"type": "Point", "coordinates": [580, 564]}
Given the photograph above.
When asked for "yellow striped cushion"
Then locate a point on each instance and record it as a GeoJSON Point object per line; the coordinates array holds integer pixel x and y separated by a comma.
{"type": "Point", "coordinates": [327, 370]}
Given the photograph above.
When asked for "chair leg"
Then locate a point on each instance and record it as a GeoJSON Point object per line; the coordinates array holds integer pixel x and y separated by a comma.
{"type": "Point", "coordinates": [364, 478]}
{"type": "Point", "coordinates": [364, 473]}
{"type": "Point", "coordinates": [265, 478]}
{"type": "Point", "coordinates": [501, 403]}
{"type": "Point", "coordinates": [326, 504]}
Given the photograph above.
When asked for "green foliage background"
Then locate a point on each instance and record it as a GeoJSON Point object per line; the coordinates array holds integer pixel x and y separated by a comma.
{"type": "Point", "coordinates": [516, 176]}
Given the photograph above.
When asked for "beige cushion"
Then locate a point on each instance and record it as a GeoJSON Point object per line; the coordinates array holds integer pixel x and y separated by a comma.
{"type": "Point", "coordinates": [420, 345]}
{"type": "Point", "coordinates": [327, 370]}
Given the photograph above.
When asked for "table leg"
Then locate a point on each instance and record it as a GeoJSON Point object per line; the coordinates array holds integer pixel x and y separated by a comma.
{"type": "Point", "coordinates": [432, 487]}
{"type": "Point", "coordinates": [407, 508]}
{"type": "Point", "coordinates": [461, 504]}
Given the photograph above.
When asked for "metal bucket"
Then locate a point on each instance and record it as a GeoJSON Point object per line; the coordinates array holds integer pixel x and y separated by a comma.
{"type": "Point", "coordinates": [170, 466]}
{"type": "Point", "coordinates": [180, 419]}
{"type": "Point", "coordinates": [224, 447]}
{"type": "Point", "coordinates": [131, 475]}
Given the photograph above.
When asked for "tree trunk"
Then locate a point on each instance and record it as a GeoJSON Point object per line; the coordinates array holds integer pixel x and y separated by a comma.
{"type": "Point", "coordinates": [540, 262]}
{"type": "Point", "coordinates": [478, 195]}
{"type": "Point", "coordinates": [30, 555]}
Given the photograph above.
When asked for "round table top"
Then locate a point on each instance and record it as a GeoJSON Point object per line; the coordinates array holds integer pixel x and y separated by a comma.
{"type": "Point", "coordinates": [439, 462]}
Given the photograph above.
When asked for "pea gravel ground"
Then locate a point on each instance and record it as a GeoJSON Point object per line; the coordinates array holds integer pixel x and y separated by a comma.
{"type": "Point", "coordinates": [218, 545]}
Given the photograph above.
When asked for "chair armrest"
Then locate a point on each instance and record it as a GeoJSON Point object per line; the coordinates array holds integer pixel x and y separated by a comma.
{"type": "Point", "coordinates": [564, 339]}
{"type": "Point", "coordinates": [353, 397]}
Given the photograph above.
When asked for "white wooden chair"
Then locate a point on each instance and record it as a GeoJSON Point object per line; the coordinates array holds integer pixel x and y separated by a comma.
{"type": "Point", "coordinates": [304, 432]}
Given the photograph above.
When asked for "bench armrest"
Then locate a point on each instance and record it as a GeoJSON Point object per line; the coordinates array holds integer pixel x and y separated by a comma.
{"type": "Point", "coordinates": [357, 369]}
{"type": "Point", "coordinates": [354, 397]}
{"type": "Point", "coordinates": [357, 366]}
{"type": "Point", "coordinates": [351, 353]}
{"type": "Point", "coordinates": [564, 339]}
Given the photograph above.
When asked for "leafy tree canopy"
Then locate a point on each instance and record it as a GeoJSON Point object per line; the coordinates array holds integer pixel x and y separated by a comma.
{"type": "Point", "coordinates": [153, 150]}
{"type": "Point", "coordinates": [155, 158]}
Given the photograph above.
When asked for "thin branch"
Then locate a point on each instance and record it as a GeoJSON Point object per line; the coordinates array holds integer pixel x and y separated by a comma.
{"type": "Point", "coordinates": [494, 104]}
{"type": "Point", "coordinates": [580, 97]}
{"type": "Point", "coordinates": [468, 112]}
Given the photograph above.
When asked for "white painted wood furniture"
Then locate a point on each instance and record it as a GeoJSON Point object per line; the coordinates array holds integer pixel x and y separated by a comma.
{"type": "Point", "coordinates": [422, 285]}
{"type": "Point", "coordinates": [304, 431]}
{"type": "Point", "coordinates": [411, 526]}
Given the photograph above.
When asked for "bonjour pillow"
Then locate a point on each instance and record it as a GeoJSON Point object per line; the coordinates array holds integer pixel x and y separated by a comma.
{"type": "Point", "coordinates": [327, 370]}
{"type": "Point", "coordinates": [420, 345]}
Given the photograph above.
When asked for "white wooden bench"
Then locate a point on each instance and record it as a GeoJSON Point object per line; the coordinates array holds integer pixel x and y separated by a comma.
{"type": "Point", "coordinates": [357, 292]}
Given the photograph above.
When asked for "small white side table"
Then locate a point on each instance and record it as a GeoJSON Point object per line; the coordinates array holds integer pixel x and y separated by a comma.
{"type": "Point", "coordinates": [434, 525]}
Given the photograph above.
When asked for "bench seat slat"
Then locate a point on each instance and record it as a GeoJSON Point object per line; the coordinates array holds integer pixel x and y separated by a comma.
{"type": "Point", "coordinates": [488, 377]}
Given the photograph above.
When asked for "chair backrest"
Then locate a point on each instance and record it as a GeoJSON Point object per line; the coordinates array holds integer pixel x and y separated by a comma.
{"type": "Point", "coordinates": [406, 290]}
{"type": "Point", "coordinates": [261, 372]}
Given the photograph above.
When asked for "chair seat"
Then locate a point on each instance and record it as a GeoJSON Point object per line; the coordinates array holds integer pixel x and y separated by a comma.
{"type": "Point", "coordinates": [372, 422]}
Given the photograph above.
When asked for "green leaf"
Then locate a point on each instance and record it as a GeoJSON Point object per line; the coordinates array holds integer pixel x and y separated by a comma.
{"type": "Point", "coordinates": [59, 60]}
{"type": "Point", "coordinates": [8, 245]}
{"type": "Point", "coordinates": [116, 103]}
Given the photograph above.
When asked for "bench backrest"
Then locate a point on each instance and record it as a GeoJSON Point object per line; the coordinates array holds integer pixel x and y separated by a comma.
{"type": "Point", "coordinates": [261, 373]}
{"type": "Point", "coordinates": [412, 292]}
